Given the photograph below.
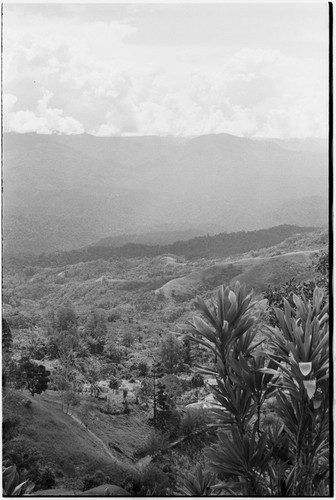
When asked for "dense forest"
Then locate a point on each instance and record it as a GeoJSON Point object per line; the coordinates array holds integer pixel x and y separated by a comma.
{"type": "Point", "coordinates": [220, 245]}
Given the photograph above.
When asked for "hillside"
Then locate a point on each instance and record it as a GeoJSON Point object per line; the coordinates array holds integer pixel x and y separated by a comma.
{"type": "Point", "coordinates": [152, 238]}
{"type": "Point", "coordinates": [138, 302]}
{"type": "Point", "coordinates": [66, 446]}
{"type": "Point", "coordinates": [257, 273]}
{"type": "Point", "coordinates": [64, 192]}
{"type": "Point", "coordinates": [128, 284]}
{"type": "Point", "coordinates": [218, 246]}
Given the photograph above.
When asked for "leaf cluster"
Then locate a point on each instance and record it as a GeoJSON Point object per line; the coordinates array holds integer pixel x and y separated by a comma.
{"type": "Point", "coordinates": [290, 455]}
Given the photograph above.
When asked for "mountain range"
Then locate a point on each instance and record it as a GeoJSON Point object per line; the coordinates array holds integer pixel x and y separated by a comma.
{"type": "Point", "coordinates": [64, 192]}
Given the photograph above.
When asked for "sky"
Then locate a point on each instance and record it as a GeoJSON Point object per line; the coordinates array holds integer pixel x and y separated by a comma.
{"type": "Point", "coordinates": [179, 69]}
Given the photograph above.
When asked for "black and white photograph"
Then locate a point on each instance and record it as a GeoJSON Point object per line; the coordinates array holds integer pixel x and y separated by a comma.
{"type": "Point", "coordinates": [165, 223]}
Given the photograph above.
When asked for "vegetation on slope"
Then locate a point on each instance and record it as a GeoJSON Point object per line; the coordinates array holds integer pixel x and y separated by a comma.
{"type": "Point", "coordinates": [115, 367]}
{"type": "Point", "coordinates": [221, 245]}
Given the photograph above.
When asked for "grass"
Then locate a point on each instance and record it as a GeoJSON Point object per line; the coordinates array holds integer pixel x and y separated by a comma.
{"type": "Point", "coordinates": [67, 447]}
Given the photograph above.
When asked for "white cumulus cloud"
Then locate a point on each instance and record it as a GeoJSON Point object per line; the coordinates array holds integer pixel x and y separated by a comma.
{"type": "Point", "coordinates": [66, 75]}
{"type": "Point", "coordinates": [44, 121]}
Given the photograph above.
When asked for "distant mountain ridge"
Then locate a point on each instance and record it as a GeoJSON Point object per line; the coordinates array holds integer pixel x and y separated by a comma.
{"type": "Point", "coordinates": [65, 192]}
{"type": "Point", "coordinates": [221, 245]}
{"type": "Point", "coordinates": [151, 238]}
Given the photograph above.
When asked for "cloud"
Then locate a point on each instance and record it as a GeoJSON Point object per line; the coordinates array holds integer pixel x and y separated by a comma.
{"type": "Point", "coordinates": [45, 121]}
{"type": "Point", "coordinates": [68, 76]}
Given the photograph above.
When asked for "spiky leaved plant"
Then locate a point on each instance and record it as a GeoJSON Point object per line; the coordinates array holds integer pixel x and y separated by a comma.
{"type": "Point", "coordinates": [300, 350]}
{"type": "Point", "coordinates": [226, 328]}
{"type": "Point", "coordinates": [198, 484]}
{"type": "Point", "coordinates": [11, 485]}
{"type": "Point", "coordinates": [289, 456]}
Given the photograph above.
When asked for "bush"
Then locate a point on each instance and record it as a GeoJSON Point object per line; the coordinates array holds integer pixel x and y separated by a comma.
{"type": "Point", "coordinates": [150, 481]}
{"type": "Point", "coordinates": [169, 421]}
{"type": "Point", "coordinates": [44, 479]}
{"type": "Point", "coordinates": [98, 478]}
{"type": "Point", "coordinates": [291, 456]}
{"type": "Point", "coordinates": [193, 420]}
{"type": "Point", "coordinates": [113, 316]}
{"type": "Point", "coordinates": [143, 369]}
{"type": "Point", "coordinates": [10, 428]}
{"type": "Point", "coordinates": [156, 442]}
{"type": "Point", "coordinates": [128, 339]}
{"type": "Point", "coordinates": [24, 456]}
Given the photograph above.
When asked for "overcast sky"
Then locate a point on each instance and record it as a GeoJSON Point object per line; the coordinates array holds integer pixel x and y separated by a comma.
{"type": "Point", "coordinates": [256, 70]}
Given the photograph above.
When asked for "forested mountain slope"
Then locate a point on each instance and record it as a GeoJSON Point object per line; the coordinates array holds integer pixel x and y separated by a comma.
{"type": "Point", "coordinates": [217, 246]}
{"type": "Point", "coordinates": [64, 192]}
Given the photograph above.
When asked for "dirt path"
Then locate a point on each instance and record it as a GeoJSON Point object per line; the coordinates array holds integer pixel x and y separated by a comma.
{"type": "Point", "coordinates": [298, 252]}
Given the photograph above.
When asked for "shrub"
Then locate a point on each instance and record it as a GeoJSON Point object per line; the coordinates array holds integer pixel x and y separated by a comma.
{"type": "Point", "coordinates": [143, 369]}
{"type": "Point", "coordinates": [128, 339]}
{"type": "Point", "coordinates": [290, 457]}
{"type": "Point", "coordinates": [24, 456]}
{"type": "Point", "coordinates": [193, 420]}
{"type": "Point", "coordinates": [10, 428]}
{"type": "Point", "coordinates": [198, 484]}
{"type": "Point", "coordinates": [149, 481]}
{"type": "Point", "coordinates": [156, 442]}
{"type": "Point", "coordinates": [113, 316]}
{"type": "Point", "coordinates": [98, 478]}
{"type": "Point", "coordinates": [44, 479]}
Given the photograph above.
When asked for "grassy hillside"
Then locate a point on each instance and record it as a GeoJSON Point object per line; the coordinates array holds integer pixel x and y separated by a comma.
{"type": "Point", "coordinates": [257, 273]}
{"type": "Point", "coordinates": [62, 443]}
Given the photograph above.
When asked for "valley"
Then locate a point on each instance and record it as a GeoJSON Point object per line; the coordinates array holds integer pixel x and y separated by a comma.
{"type": "Point", "coordinates": [106, 329]}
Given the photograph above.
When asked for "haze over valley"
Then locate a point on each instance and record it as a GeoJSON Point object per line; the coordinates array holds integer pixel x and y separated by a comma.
{"type": "Point", "coordinates": [63, 192]}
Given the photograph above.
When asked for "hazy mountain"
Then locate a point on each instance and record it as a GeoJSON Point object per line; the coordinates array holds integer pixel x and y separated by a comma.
{"type": "Point", "coordinates": [63, 192]}
{"type": "Point", "coordinates": [151, 238]}
{"type": "Point", "coordinates": [311, 144]}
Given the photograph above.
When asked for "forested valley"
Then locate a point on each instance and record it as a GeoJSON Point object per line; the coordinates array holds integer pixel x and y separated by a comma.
{"type": "Point", "coordinates": [169, 372]}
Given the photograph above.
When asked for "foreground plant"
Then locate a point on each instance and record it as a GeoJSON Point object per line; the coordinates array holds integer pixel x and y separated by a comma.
{"type": "Point", "coordinates": [289, 456]}
{"type": "Point", "coordinates": [11, 485]}
{"type": "Point", "coordinates": [300, 349]}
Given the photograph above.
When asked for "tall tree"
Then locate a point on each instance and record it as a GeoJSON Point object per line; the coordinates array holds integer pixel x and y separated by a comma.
{"type": "Point", "coordinates": [171, 351]}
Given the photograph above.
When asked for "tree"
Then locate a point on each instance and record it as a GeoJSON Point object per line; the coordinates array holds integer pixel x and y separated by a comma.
{"type": "Point", "coordinates": [92, 372]}
{"type": "Point", "coordinates": [35, 377]}
{"type": "Point", "coordinates": [66, 319]}
{"type": "Point", "coordinates": [146, 389]}
{"type": "Point", "coordinates": [173, 387]}
{"type": "Point", "coordinates": [70, 400]}
{"type": "Point", "coordinates": [96, 330]}
{"type": "Point", "coordinates": [171, 352]}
